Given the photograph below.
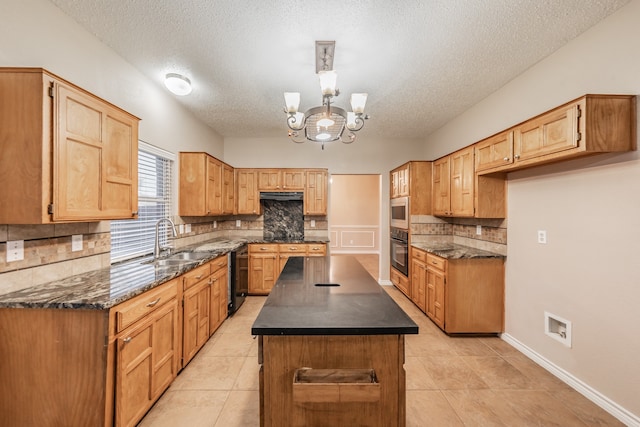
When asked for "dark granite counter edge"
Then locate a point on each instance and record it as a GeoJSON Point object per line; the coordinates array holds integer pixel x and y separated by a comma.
{"type": "Point", "coordinates": [455, 251]}
{"type": "Point", "coordinates": [336, 331]}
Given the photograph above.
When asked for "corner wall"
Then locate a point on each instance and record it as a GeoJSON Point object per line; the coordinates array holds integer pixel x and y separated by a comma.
{"type": "Point", "coordinates": [587, 272]}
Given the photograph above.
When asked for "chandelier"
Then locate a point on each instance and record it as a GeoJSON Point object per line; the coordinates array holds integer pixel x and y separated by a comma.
{"type": "Point", "coordinates": [325, 123]}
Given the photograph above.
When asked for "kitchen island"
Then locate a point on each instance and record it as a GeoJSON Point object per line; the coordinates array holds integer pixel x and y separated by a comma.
{"type": "Point", "coordinates": [331, 346]}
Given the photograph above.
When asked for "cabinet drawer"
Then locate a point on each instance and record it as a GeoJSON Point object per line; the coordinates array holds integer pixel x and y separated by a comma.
{"type": "Point", "coordinates": [262, 248]}
{"type": "Point", "coordinates": [436, 262]}
{"type": "Point", "coordinates": [218, 263]}
{"type": "Point", "coordinates": [419, 254]}
{"type": "Point", "coordinates": [317, 250]}
{"type": "Point", "coordinates": [290, 248]}
{"type": "Point", "coordinates": [136, 308]}
{"type": "Point", "coordinates": [195, 275]}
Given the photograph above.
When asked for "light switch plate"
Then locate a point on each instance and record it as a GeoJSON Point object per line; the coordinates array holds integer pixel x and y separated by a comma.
{"type": "Point", "coordinates": [181, 228]}
{"type": "Point", "coordinates": [479, 230]}
{"type": "Point", "coordinates": [76, 242]}
{"type": "Point", "coordinates": [215, 224]}
{"type": "Point", "coordinates": [238, 223]}
{"type": "Point", "coordinates": [15, 250]}
{"type": "Point", "coordinates": [187, 228]}
{"type": "Point", "coordinates": [313, 223]}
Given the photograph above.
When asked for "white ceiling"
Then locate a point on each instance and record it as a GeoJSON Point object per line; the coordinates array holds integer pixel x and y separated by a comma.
{"type": "Point", "coordinates": [422, 62]}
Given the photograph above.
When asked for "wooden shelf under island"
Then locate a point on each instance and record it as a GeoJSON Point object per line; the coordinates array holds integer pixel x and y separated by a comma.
{"type": "Point", "coordinates": [331, 347]}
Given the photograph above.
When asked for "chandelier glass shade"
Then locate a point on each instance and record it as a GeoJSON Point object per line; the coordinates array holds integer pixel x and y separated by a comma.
{"type": "Point", "coordinates": [325, 123]}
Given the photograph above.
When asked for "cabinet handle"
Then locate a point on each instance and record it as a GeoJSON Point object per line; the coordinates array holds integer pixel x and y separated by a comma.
{"type": "Point", "coordinates": [315, 249]}
{"type": "Point", "coordinates": [126, 340]}
{"type": "Point", "coordinates": [199, 277]}
{"type": "Point", "coordinates": [264, 249]}
{"type": "Point", "coordinates": [293, 248]}
{"type": "Point", "coordinates": [153, 303]}
{"type": "Point", "coordinates": [134, 213]}
{"type": "Point", "coordinates": [517, 156]}
{"type": "Point", "coordinates": [506, 159]}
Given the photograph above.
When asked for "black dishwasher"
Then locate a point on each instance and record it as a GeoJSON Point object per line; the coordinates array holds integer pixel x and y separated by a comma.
{"type": "Point", "coordinates": [238, 277]}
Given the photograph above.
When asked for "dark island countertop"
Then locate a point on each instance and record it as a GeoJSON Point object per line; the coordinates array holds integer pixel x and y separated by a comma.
{"type": "Point", "coordinates": [347, 302]}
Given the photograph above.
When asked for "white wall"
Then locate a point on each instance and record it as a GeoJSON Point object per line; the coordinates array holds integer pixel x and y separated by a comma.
{"type": "Point", "coordinates": [588, 272]}
{"type": "Point", "coordinates": [35, 33]}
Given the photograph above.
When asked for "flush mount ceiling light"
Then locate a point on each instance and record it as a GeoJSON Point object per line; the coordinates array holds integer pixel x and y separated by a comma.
{"type": "Point", "coordinates": [178, 84]}
{"type": "Point", "coordinates": [325, 123]}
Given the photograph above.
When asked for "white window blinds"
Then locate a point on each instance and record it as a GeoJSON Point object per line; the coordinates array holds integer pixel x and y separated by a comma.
{"type": "Point", "coordinates": [133, 238]}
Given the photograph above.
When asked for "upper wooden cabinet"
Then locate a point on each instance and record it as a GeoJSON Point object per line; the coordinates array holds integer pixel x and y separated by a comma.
{"type": "Point", "coordinates": [459, 192]}
{"type": "Point", "coordinates": [247, 194]}
{"type": "Point", "coordinates": [590, 124]}
{"type": "Point", "coordinates": [281, 179]}
{"type": "Point", "coordinates": [315, 194]}
{"type": "Point", "coordinates": [413, 180]}
{"type": "Point", "coordinates": [206, 185]}
{"type": "Point", "coordinates": [67, 155]}
{"type": "Point", "coordinates": [453, 184]}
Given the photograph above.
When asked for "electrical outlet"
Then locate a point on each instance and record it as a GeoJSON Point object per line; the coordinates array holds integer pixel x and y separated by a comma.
{"type": "Point", "coordinates": [187, 228]}
{"type": "Point", "coordinates": [313, 223]}
{"type": "Point", "coordinates": [76, 242]}
{"type": "Point", "coordinates": [181, 228]}
{"type": "Point", "coordinates": [238, 223]}
{"type": "Point", "coordinates": [479, 230]}
{"type": "Point", "coordinates": [15, 250]}
{"type": "Point", "coordinates": [542, 236]}
{"type": "Point", "coordinates": [215, 224]}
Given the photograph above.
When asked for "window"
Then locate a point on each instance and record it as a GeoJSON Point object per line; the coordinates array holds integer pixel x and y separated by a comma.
{"type": "Point", "coordinates": [133, 238]}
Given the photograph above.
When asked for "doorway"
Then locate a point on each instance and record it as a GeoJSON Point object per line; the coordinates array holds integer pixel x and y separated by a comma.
{"type": "Point", "coordinates": [354, 219]}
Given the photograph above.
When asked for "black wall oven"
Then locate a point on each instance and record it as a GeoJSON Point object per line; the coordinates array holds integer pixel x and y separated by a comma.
{"type": "Point", "coordinates": [400, 250]}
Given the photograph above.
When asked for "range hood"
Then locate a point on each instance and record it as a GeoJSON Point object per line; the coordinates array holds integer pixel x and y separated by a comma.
{"type": "Point", "coordinates": [281, 195]}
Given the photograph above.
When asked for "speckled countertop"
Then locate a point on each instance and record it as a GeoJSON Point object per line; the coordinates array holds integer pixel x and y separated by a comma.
{"type": "Point", "coordinates": [455, 251]}
{"type": "Point", "coordinates": [105, 288]}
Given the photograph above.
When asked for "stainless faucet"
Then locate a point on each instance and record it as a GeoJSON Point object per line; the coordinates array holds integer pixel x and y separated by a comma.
{"type": "Point", "coordinates": [159, 248]}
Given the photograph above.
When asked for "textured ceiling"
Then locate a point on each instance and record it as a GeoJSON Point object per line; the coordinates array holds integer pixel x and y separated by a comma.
{"type": "Point", "coordinates": [422, 62]}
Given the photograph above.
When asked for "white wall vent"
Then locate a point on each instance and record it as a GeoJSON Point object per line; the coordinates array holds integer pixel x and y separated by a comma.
{"type": "Point", "coordinates": [557, 328]}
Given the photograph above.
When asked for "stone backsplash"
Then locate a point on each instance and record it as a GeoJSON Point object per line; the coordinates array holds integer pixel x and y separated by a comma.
{"type": "Point", "coordinates": [464, 231]}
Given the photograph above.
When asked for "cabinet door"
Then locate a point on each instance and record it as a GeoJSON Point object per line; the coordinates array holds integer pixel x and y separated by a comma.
{"type": "Point", "coordinates": [494, 152]}
{"type": "Point", "coordinates": [219, 299]}
{"type": "Point", "coordinates": [269, 180]}
{"type": "Point", "coordinates": [403, 181]}
{"type": "Point", "coordinates": [441, 187]}
{"type": "Point", "coordinates": [147, 362]}
{"type": "Point", "coordinates": [248, 196]}
{"type": "Point", "coordinates": [435, 296]}
{"type": "Point", "coordinates": [315, 196]}
{"type": "Point", "coordinates": [418, 283]}
{"type": "Point", "coordinates": [228, 199]}
{"type": "Point", "coordinates": [196, 319]}
{"type": "Point", "coordinates": [95, 168]}
{"type": "Point", "coordinates": [293, 179]}
{"type": "Point", "coordinates": [263, 272]}
{"type": "Point", "coordinates": [550, 133]}
{"type": "Point", "coordinates": [462, 182]}
{"type": "Point", "coordinates": [214, 187]}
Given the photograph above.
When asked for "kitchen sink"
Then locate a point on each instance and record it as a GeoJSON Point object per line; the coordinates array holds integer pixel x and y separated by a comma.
{"type": "Point", "coordinates": [168, 262]}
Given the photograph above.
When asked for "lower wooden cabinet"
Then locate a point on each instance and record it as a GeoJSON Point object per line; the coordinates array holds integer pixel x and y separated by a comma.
{"type": "Point", "coordinates": [400, 281]}
{"type": "Point", "coordinates": [459, 295]}
{"type": "Point", "coordinates": [196, 306]}
{"type": "Point", "coordinates": [267, 260]}
{"type": "Point", "coordinates": [147, 355]}
{"type": "Point", "coordinates": [219, 306]}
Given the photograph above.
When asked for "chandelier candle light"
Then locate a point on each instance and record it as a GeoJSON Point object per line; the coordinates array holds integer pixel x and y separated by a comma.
{"type": "Point", "coordinates": [326, 123]}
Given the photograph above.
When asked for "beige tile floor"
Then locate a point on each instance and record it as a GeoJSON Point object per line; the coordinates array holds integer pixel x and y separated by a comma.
{"type": "Point", "coordinates": [450, 382]}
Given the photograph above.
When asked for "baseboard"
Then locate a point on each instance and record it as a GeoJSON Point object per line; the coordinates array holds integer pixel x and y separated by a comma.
{"type": "Point", "coordinates": [385, 282]}
{"type": "Point", "coordinates": [590, 393]}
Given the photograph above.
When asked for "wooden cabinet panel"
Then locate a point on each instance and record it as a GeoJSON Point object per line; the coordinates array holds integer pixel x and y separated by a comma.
{"type": "Point", "coordinates": [419, 283]}
{"type": "Point", "coordinates": [269, 180]}
{"type": "Point", "coordinates": [319, 249]}
{"type": "Point", "coordinates": [400, 181]}
{"type": "Point", "coordinates": [247, 194]}
{"type": "Point", "coordinates": [206, 185]}
{"type": "Point", "coordinates": [315, 196]}
{"type": "Point", "coordinates": [400, 281]}
{"type": "Point", "coordinates": [436, 296]}
{"type": "Point", "coordinates": [147, 358]}
{"type": "Point", "coordinates": [219, 293]}
{"type": "Point", "coordinates": [293, 179]}
{"type": "Point", "coordinates": [228, 190]}
{"type": "Point", "coordinates": [494, 152]}
{"type": "Point", "coordinates": [135, 309]}
{"type": "Point", "coordinates": [462, 183]}
{"type": "Point", "coordinates": [442, 187]}
{"type": "Point", "coordinates": [196, 308]}
{"type": "Point", "coordinates": [78, 155]}
{"type": "Point", "coordinates": [263, 272]}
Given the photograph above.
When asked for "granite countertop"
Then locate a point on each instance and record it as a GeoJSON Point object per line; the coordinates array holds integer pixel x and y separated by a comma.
{"type": "Point", "coordinates": [358, 306]}
{"type": "Point", "coordinates": [107, 287]}
{"type": "Point", "coordinates": [455, 251]}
